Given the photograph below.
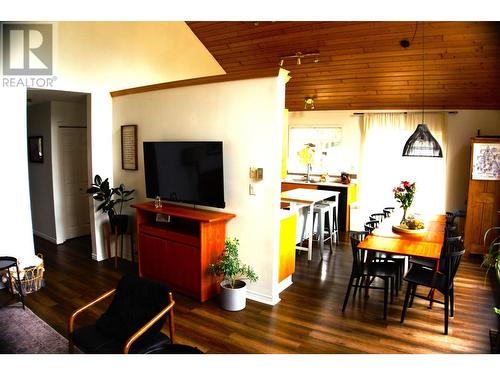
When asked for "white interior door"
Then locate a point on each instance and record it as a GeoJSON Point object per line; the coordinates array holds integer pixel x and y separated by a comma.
{"type": "Point", "coordinates": [73, 146]}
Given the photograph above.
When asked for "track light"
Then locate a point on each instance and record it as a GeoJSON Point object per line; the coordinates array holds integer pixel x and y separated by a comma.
{"type": "Point", "coordinates": [299, 57]}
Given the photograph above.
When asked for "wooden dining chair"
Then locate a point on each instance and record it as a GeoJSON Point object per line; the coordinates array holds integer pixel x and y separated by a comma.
{"type": "Point", "coordinates": [441, 280]}
{"type": "Point", "coordinates": [364, 270]}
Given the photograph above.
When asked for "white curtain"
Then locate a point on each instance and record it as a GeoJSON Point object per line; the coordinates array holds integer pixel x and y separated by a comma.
{"type": "Point", "coordinates": [382, 166]}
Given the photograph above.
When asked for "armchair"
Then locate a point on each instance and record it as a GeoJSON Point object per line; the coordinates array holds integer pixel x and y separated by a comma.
{"type": "Point", "coordinates": [132, 322]}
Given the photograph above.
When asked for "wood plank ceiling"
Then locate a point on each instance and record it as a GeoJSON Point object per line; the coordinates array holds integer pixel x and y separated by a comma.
{"type": "Point", "coordinates": [362, 64]}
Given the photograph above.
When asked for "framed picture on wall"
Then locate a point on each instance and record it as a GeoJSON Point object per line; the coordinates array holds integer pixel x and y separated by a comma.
{"type": "Point", "coordinates": [129, 147]}
{"type": "Point", "coordinates": [35, 149]}
{"type": "Point", "coordinates": [486, 161]}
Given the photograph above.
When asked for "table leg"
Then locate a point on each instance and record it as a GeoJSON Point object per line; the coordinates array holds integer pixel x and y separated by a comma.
{"type": "Point", "coordinates": [310, 221]}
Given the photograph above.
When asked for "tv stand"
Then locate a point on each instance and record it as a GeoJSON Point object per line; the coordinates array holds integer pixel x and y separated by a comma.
{"type": "Point", "coordinates": [177, 252]}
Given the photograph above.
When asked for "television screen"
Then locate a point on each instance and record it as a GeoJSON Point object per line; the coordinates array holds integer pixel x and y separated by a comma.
{"type": "Point", "coordinates": [189, 172]}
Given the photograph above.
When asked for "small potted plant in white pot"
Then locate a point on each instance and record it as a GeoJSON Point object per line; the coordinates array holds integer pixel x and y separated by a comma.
{"type": "Point", "coordinates": [233, 287]}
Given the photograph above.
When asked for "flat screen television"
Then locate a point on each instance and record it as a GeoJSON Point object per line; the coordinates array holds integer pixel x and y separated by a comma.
{"type": "Point", "coordinates": [185, 171]}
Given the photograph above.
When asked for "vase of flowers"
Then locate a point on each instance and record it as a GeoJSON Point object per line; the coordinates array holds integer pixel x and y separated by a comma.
{"type": "Point", "coordinates": [404, 194]}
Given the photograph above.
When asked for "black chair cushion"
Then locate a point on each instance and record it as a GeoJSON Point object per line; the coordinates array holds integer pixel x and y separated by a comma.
{"type": "Point", "coordinates": [136, 301]}
{"type": "Point", "coordinates": [92, 340]}
{"type": "Point", "coordinates": [426, 277]}
{"type": "Point", "coordinates": [380, 269]}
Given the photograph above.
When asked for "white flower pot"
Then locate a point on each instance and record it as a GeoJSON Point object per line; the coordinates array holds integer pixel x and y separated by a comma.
{"type": "Point", "coordinates": [233, 299]}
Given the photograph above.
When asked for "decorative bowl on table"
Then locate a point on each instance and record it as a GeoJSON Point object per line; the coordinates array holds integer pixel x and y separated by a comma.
{"type": "Point", "coordinates": [410, 226]}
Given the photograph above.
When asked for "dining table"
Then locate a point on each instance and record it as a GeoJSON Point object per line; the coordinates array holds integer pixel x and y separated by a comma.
{"type": "Point", "coordinates": [425, 243]}
{"type": "Point", "coordinates": [307, 198]}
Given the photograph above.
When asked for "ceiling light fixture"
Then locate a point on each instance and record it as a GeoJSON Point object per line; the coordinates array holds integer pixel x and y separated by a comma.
{"type": "Point", "coordinates": [421, 143]}
{"type": "Point", "coordinates": [309, 103]}
{"type": "Point", "coordinates": [299, 57]}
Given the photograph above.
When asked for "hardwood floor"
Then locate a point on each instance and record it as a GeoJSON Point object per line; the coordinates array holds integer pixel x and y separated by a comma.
{"type": "Point", "coordinates": [307, 320]}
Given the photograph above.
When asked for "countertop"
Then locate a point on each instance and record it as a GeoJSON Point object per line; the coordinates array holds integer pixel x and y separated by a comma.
{"type": "Point", "coordinates": [329, 182]}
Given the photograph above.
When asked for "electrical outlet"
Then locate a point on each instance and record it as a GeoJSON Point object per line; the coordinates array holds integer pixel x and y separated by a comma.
{"type": "Point", "coordinates": [251, 189]}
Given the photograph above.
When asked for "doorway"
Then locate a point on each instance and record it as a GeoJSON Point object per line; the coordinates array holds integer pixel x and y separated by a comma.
{"type": "Point", "coordinates": [59, 203]}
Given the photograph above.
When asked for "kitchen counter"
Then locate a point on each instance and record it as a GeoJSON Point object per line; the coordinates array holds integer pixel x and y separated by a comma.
{"type": "Point", "coordinates": [347, 194]}
{"type": "Point", "coordinates": [329, 182]}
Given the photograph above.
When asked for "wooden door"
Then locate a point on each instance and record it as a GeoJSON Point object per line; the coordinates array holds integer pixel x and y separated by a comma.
{"type": "Point", "coordinates": [482, 204]}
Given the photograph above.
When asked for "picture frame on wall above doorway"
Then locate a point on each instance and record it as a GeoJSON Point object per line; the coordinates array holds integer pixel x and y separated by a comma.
{"type": "Point", "coordinates": [486, 161]}
{"type": "Point", "coordinates": [35, 149]}
{"type": "Point", "coordinates": [129, 147]}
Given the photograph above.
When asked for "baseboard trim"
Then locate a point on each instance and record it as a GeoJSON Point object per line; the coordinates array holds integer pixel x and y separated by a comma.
{"type": "Point", "coordinates": [45, 237]}
{"type": "Point", "coordinates": [285, 284]}
{"type": "Point", "coordinates": [262, 298]}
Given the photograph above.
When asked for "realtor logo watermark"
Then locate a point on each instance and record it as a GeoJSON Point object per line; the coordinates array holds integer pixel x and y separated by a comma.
{"type": "Point", "coordinates": [27, 54]}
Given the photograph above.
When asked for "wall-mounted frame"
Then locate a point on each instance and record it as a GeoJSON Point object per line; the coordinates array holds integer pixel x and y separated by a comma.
{"type": "Point", "coordinates": [129, 147]}
{"type": "Point", "coordinates": [486, 160]}
{"type": "Point", "coordinates": [35, 149]}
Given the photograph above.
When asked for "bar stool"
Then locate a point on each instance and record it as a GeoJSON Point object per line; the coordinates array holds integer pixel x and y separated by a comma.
{"type": "Point", "coordinates": [333, 217]}
{"type": "Point", "coordinates": [7, 262]}
{"type": "Point", "coordinates": [322, 213]}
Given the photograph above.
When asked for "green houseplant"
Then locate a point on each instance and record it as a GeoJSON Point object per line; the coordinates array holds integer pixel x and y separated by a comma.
{"type": "Point", "coordinates": [102, 192]}
{"type": "Point", "coordinates": [233, 286]}
{"type": "Point", "coordinates": [492, 260]}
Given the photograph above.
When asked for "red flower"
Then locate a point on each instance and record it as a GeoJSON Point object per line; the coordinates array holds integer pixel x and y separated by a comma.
{"type": "Point", "coordinates": [405, 183]}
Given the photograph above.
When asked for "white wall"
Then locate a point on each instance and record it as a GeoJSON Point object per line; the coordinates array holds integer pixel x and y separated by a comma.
{"type": "Point", "coordinates": [40, 174]}
{"type": "Point", "coordinates": [15, 222]}
{"type": "Point", "coordinates": [248, 117]}
{"type": "Point", "coordinates": [96, 58]}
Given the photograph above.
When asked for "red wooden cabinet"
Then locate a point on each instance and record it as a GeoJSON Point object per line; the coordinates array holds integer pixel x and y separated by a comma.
{"type": "Point", "coordinates": [179, 251]}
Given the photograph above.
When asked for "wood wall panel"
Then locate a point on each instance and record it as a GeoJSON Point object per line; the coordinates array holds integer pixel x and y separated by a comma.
{"type": "Point", "coordinates": [362, 65]}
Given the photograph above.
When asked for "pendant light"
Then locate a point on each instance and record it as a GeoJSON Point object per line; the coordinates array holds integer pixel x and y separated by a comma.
{"type": "Point", "coordinates": [421, 143]}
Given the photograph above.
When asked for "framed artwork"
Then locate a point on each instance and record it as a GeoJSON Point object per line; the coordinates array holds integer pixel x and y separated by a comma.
{"type": "Point", "coordinates": [486, 161]}
{"type": "Point", "coordinates": [129, 147]}
{"type": "Point", "coordinates": [35, 149]}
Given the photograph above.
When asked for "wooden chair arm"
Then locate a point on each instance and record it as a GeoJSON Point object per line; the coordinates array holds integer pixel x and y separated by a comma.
{"type": "Point", "coordinates": [144, 328]}
{"type": "Point", "coordinates": [71, 320]}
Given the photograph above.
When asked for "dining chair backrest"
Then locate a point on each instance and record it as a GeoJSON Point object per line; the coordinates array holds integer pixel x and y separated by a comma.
{"type": "Point", "coordinates": [358, 255]}
{"type": "Point", "coordinates": [449, 244]}
{"type": "Point", "coordinates": [378, 216]}
{"type": "Point", "coordinates": [372, 224]}
{"type": "Point", "coordinates": [454, 250]}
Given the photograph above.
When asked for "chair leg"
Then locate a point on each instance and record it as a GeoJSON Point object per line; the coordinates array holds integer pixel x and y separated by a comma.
{"type": "Point", "coordinates": [405, 304]}
{"type": "Point", "coordinates": [446, 311]}
{"type": "Point", "coordinates": [359, 284]}
{"type": "Point", "coordinates": [392, 289]}
{"type": "Point", "coordinates": [351, 279]}
{"type": "Point", "coordinates": [413, 292]}
{"type": "Point", "coordinates": [386, 292]}
{"type": "Point", "coordinates": [452, 302]}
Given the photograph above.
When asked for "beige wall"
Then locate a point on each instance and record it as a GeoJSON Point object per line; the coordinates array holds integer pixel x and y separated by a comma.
{"type": "Point", "coordinates": [96, 58]}
{"type": "Point", "coordinates": [247, 116]}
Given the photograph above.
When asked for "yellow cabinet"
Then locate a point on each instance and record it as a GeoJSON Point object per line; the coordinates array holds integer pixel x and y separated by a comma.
{"type": "Point", "coordinates": [287, 246]}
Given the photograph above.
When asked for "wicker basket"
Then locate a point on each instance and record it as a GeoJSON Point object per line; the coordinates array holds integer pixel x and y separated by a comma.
{"type": "Point", "coordinates": [31, 281]}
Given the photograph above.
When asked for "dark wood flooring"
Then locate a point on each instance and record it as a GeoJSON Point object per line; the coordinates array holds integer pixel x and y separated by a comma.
{"type": "Point", "coordinates": [307, 320]}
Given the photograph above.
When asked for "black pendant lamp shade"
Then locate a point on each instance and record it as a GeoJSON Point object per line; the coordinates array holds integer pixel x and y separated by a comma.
{"type": "Point", "coordinates": [422, 143]}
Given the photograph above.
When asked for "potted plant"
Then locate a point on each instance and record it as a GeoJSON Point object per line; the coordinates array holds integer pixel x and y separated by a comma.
{"type": "Point", "coordinates": [492, 260]}
{"type": "Point", "coordinates": [233, 288]}
{"type": "Point", "coordinates": [102, 192]}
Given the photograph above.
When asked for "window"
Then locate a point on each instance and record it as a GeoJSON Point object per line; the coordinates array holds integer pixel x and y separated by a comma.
{"type": "Point", "coordinates": [327, 158]}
